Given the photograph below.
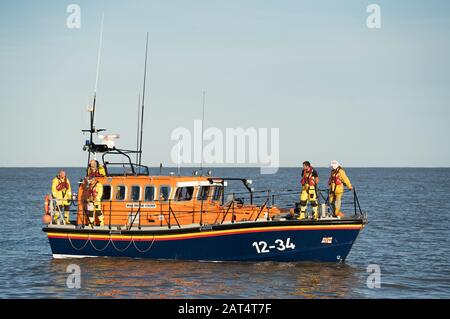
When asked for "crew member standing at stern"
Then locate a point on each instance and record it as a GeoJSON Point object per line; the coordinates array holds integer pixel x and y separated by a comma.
{"type": "Point", "coordinates": [62, 192]}
{"type": "Point", "coordinates": [310, 180]}
{"type": "Point", "coordinates": [93, 201]}
{"type": "Point", "coordinates": [338, 178]}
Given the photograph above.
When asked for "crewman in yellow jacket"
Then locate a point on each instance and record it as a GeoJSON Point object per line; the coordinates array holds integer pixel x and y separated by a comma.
{"type": "Point", "coordinates": [310, 180]}
{"type": "Point", "coordinates": [62, 192]}
{"type": "Point", "coordinates": [337, 180]}
{"type": "Point", "coordinates": [94, 193]}
{"type": "Point", "coordinates": [95, 169]}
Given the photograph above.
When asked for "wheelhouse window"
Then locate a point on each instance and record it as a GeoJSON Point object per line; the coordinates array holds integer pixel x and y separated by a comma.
{"type": "Point", "coordinates": [106, 192]}
{"type": "Point", "coordinates": [203, 193]}
{"type": "Point", "coordinates": [120, 192]}
{"type": "Point", "coordinates": [149, 193]}
{"type": "Point", "coordinates": [135, 193]}
{"type": "Point", "coordinates": [164, 193]}
{"type": "Point", "coordinates": [218, 193]}
{"type": "Point", "coordinates": [184, 193]}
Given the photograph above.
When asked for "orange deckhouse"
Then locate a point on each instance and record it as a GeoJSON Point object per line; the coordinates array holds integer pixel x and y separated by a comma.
{"type": "Point", "coordinates": [132, 199]}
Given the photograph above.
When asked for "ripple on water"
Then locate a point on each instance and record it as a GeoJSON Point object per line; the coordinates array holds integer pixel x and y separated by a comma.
{"type": "Point", "coordinates": [408, 237]}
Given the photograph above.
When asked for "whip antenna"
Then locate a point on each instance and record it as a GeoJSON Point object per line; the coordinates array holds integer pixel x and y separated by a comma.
{"type": "Point", "coordinates": [138, 125]}
{"type": "Point", "coordinates": [143, 99]}
{"type": "Point", "coordinates": [92, 129]}
{"type": "Point", "coordinates": [203, 120]}
{"type": "Point", "coordinates": [98, 71]}
{"type": "Point", "coordinates": [178, 156]}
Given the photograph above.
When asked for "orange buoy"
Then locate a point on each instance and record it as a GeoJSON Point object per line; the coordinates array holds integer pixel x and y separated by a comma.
{"type": "Point", "coordinates": [46, 219]}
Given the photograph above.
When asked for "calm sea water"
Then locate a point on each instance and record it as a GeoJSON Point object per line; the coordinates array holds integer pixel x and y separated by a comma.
{"type": "Point", "coordinates": [407, 236]}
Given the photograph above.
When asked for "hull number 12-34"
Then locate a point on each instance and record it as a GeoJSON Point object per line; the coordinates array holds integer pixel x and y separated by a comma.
{"type": "Point", "coordinates": [263, 247]}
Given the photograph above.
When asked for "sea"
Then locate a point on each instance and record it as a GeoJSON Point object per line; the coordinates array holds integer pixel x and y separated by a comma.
{"type": "Point", "coordinates": [403, 252]}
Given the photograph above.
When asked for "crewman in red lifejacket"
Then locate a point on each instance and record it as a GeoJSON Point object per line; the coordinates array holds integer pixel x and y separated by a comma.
{"type": "Point", "coordinates": [338, 178]}
{"type": "Point", "coordinates": [95, 169]}
{"type": "Point", "coordinates": [62, 192]}
{"type": "Point", "coordinates": [310, 180]}
{"type": "Point", "coordinates": [94, 193]}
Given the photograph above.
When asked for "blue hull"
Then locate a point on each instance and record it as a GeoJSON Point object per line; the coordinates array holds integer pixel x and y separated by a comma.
{"type": "Point", "coordinates": [283, 244]}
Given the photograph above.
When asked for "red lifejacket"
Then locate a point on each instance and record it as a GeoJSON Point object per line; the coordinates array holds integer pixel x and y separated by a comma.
{"type": "Point", "coordinates": [92, 191]}
{"type": "Point", "coordinates": [334, 177]}
{"type": "Point", "coordinates": [62, 185]}
{"type": "Point", "coordinates": [92, 173]}
{"type": "Point", "coordinates": [308, 177]}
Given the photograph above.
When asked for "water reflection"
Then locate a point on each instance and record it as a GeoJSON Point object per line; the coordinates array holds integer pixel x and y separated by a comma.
{"type": "Point", "coordinates": [327, 281]}
{"type": "Point", "coordinates": [119, 278]}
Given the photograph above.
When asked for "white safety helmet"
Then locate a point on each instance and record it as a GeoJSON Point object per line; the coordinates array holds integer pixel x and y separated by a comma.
{"type": "Point", "coordinates": [334, 164]}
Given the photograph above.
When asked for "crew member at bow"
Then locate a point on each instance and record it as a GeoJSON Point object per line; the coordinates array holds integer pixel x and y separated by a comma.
{"type": "Point", "coordinates": [62, 192]}
{"type": "Point", "coordinates": [310, 180]}
{"type": "Point", "coordinates": [338, 178]}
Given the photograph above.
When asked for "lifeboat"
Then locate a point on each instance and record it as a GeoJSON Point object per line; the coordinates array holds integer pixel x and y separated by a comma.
{"type": "Point", "coordinates": [195, 218]}
{"type": "Point", "coordinates": [190, 217]}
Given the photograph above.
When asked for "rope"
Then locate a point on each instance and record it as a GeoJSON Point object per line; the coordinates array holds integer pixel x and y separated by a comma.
{"type": "Point", "coordinates": [110, 241]}
{"type": "Point", "coordinates": [77, 249]}
{"type": "Point", "coordinates": [143, 251]}
{"type": "Point", "coordinates": [121, 251]}
{"type": "Point", "coordinates": [93, 246]}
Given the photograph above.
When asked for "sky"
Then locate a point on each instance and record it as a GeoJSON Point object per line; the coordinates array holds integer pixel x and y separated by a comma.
{"type": "Point", "coordinates": [334, 88]}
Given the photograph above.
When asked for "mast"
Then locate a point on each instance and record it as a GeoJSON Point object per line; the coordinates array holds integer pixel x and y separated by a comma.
{"type": "Point", "coordinates": [178, 156]}
{"type": "Point", "coordinates": [143, 101]}
{"type": "Point", "coordinates": [203, 120]}
{"type": "Point", "coordinates": [92, 129]}
{"type": "Point", "coordinates": [137, 132]}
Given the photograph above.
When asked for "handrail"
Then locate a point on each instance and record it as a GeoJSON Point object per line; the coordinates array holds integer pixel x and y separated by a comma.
{"type": "Point", "coordinates": [116, 151]}
{"type": "Point", "coordinates": [166, 202]}
{"type": "Point", "coordinates": [233, 215]}
{"type": "Point", "coordinates": [262, 207]}
{"type": "Point", "coordinates": [134, 218]}
{"type": "Point", "coordinates": [174, 216]}
{"type": "Point", "coordinates": [226, 213]}
{"type": "Point", "coordinates": [169, 215]}
{"type": "Point", "coordinates": [356, 200]}
{"type": "Point", "coordinates": [110, 213]}
{"type": "Point", "coordinates": [165, 213]}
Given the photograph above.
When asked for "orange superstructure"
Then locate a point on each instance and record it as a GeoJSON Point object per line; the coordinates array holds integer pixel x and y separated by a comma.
{"type": "Point", "coordinates": [140, 200]}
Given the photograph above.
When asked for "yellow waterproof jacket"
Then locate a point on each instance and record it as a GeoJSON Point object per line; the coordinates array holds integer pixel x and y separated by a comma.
{"type": "Point", "coordinates": [338, 180]}
{"type": "Point", "coordinates": [100, 172]}
{"type": "Point", "coordinates": [97, 191]}
{"type": "Point", "coordinates": [61, 190]}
